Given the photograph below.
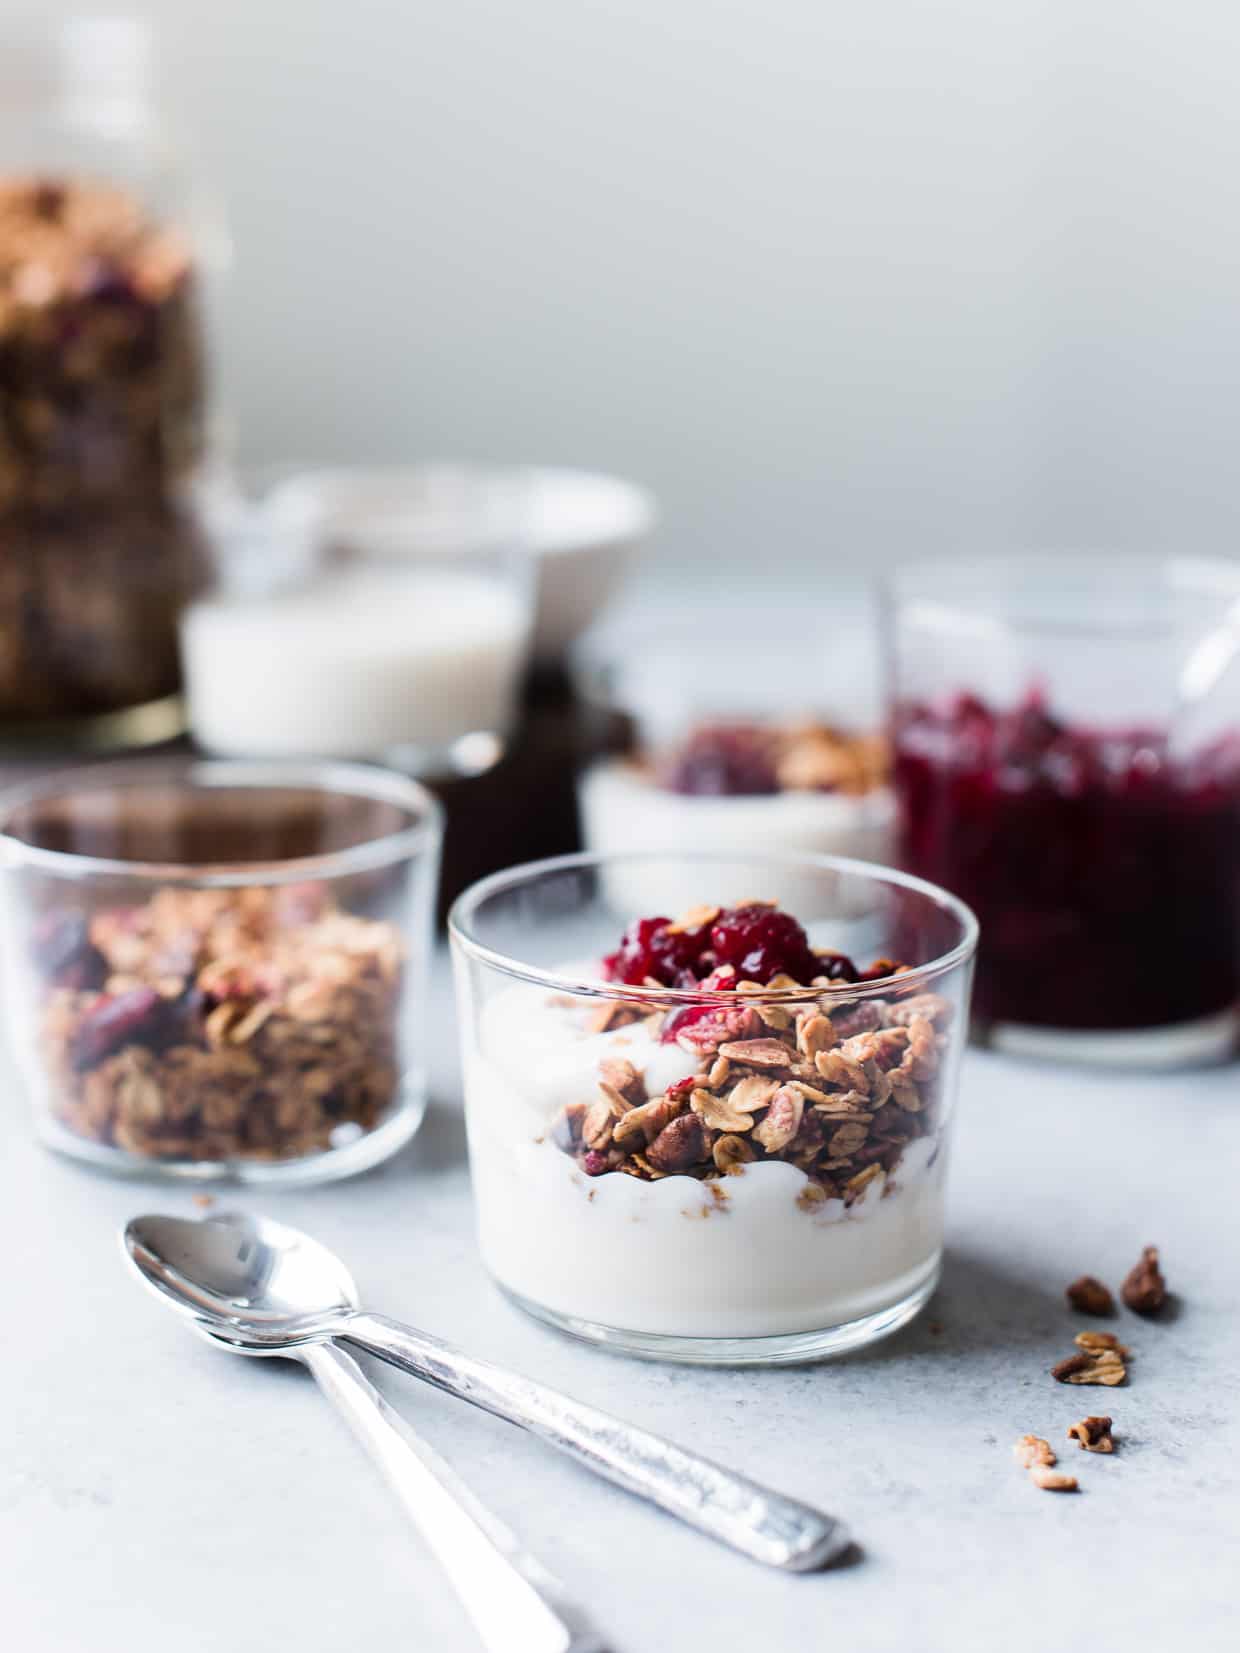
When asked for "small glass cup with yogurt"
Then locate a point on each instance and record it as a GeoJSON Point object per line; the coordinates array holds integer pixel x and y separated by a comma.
{"type": "Point", "coordinates": [785, 750]}
{"type": "Point", "coordinates": [721, 1135]}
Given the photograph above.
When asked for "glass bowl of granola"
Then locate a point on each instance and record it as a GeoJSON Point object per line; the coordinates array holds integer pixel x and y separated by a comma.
{"type": "Point", "coordinates": [720, 1137]}
{"type": "Point", "coordinates": [216, 970]}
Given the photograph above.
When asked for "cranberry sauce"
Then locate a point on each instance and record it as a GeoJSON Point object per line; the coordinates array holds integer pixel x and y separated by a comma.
{"type": "Point", "coordinates": [1106, 875]}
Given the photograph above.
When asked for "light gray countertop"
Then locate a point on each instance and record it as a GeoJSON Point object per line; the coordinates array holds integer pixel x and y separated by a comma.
{"type": "Point", "coordinates": [157, 1494]}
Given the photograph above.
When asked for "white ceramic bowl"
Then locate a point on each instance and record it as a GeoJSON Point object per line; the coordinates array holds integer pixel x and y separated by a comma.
{"type": "Point", "coordinates": [583, 529]}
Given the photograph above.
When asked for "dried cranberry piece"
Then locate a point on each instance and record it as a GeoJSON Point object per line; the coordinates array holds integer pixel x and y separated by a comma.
{"type": "Point", "coordinates": [724, 760]}
{"type": "Point", "coordinates": [689, 1015]}
{"type": "Point", "coordinates": [762, 942]}
{"type": "Point", "coordinates": [839, 967]}
{"type": "Point", "coordinates": [138, 1017]}
{"type": "Point", "coordinates": [65, 954]}
{"type": "Point", "coordinates": [595, 1163]}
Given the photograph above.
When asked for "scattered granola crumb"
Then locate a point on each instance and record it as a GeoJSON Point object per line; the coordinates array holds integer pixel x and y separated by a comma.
{"type": "Point", "coordinates": [1032, 1449]}
{"type": "Point", "coordinates": [1052, 1480]}
{"type": "Point", "coordinates": [1092, 1434]}
{"type": "Point", "coordinates": [1097, 1342]}
{"type": "Point", "coordinates": [1088, 1295]}
{"type": "Point", "coordinates": [1104, 1366]}
{"type": "Point", "coordinates": [936, 1328]}
{"type": "Point", "coordinates": [204, 1201]}
{"type": "Point", "coordinates": [1145, 1291]}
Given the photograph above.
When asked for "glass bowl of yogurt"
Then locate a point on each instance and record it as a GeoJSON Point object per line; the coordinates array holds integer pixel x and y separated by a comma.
{"type": "Point", "coordinates": [783, 749]}
{"type": "Point", "coordinates": [718, 1135]}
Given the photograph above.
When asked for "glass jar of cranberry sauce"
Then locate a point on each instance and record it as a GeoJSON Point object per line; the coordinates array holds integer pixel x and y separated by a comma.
{"type": "Point", "coordinates": [1067, 760]}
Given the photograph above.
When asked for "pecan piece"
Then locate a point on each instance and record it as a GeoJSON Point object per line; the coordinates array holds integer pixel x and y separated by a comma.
{"type": "Point", "coordinates": [758, 1053]}
{"type": "Point", "coordinates": [783, 1120]}
{"type": "Point", "coordinates": [641, 1125]}
{"type": "Point", "coordinates": [1088, 1295]}
{"type": "Point", "coordinates": [1052, 1480]}
{"type": "Point", "coordinates": [1032, 1449]}
{"type": "Point", "coordinates": [719, 1112]}
{"type": "Point", "coordinates": [1092, 1434]}
{"type": "Point", "coordinates": [678, 1146]}
{"type": "Point", "coordinates": [1104, 1366]}
{"type": "Point", "coordinates": [1145, 1291]}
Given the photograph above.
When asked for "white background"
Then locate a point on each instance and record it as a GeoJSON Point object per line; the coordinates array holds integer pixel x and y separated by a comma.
{"type": "Point", "coordinates": [841, 281]}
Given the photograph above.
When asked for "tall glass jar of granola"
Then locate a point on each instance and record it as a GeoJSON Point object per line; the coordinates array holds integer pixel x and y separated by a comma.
{"type": "Point", "coordinates": [102, 250]}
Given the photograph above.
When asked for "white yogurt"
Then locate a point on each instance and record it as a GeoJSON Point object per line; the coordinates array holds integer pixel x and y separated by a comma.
{"type": "Point", "coordinates": [736, 1257]}
{"type": "Point", "coordinates": [354, 664]}
{"type": "Point", "coordinates": [623, 810]}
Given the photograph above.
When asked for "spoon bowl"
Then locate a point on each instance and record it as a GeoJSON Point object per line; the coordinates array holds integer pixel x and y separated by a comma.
{"type": "Point", "coordinates": [247, 1281]}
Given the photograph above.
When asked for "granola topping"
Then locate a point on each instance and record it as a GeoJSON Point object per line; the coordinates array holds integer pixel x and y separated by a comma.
{"type": "Point", "coordinates": [229, 1024]}
{"type": "Point", "coordinates": [806, 1081]}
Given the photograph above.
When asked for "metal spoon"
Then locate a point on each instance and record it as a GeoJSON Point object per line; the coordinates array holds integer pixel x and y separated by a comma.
{"type": "Point", "coordinates": [267, 1288]}
{"type": "Point", "coordinates": [513, 1601]}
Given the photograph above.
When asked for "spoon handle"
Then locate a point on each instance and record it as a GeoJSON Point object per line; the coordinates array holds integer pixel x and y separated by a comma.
{"type": "Point", "coordinates": [751, 1518]}
{"type": "Point", "coordinates": [515, 1605]}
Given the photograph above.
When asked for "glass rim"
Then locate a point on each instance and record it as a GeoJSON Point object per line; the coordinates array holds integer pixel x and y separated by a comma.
{"type": "Point", "coordinates": [464, 909]}
{"type": "Point", "coordinates": [365, 781]}
{"type": "Point", "coordinates": [938, 594]}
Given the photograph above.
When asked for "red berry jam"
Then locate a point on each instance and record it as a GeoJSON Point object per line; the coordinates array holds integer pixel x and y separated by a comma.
{"type": "Point", "coordinates": [761, 943]}
{"type": "Point", "coordinates": [651, 950]}
{"type": "Point", "coordinates": [1105, 873]}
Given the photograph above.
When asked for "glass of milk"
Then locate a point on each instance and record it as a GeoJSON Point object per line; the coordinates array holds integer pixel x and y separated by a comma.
{"type": "Point", "coordinates": [358, 622]}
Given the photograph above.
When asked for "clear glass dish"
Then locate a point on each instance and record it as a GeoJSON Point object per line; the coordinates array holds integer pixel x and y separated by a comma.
{"type": "Point", "coordinates": [725, 1170]}
{"type": "Point", "coordinates": [218, 971]}
{"type": "Point", "coordinates": [1066, 737]}
{"type": "Point", "coordinates": [785, 751]}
